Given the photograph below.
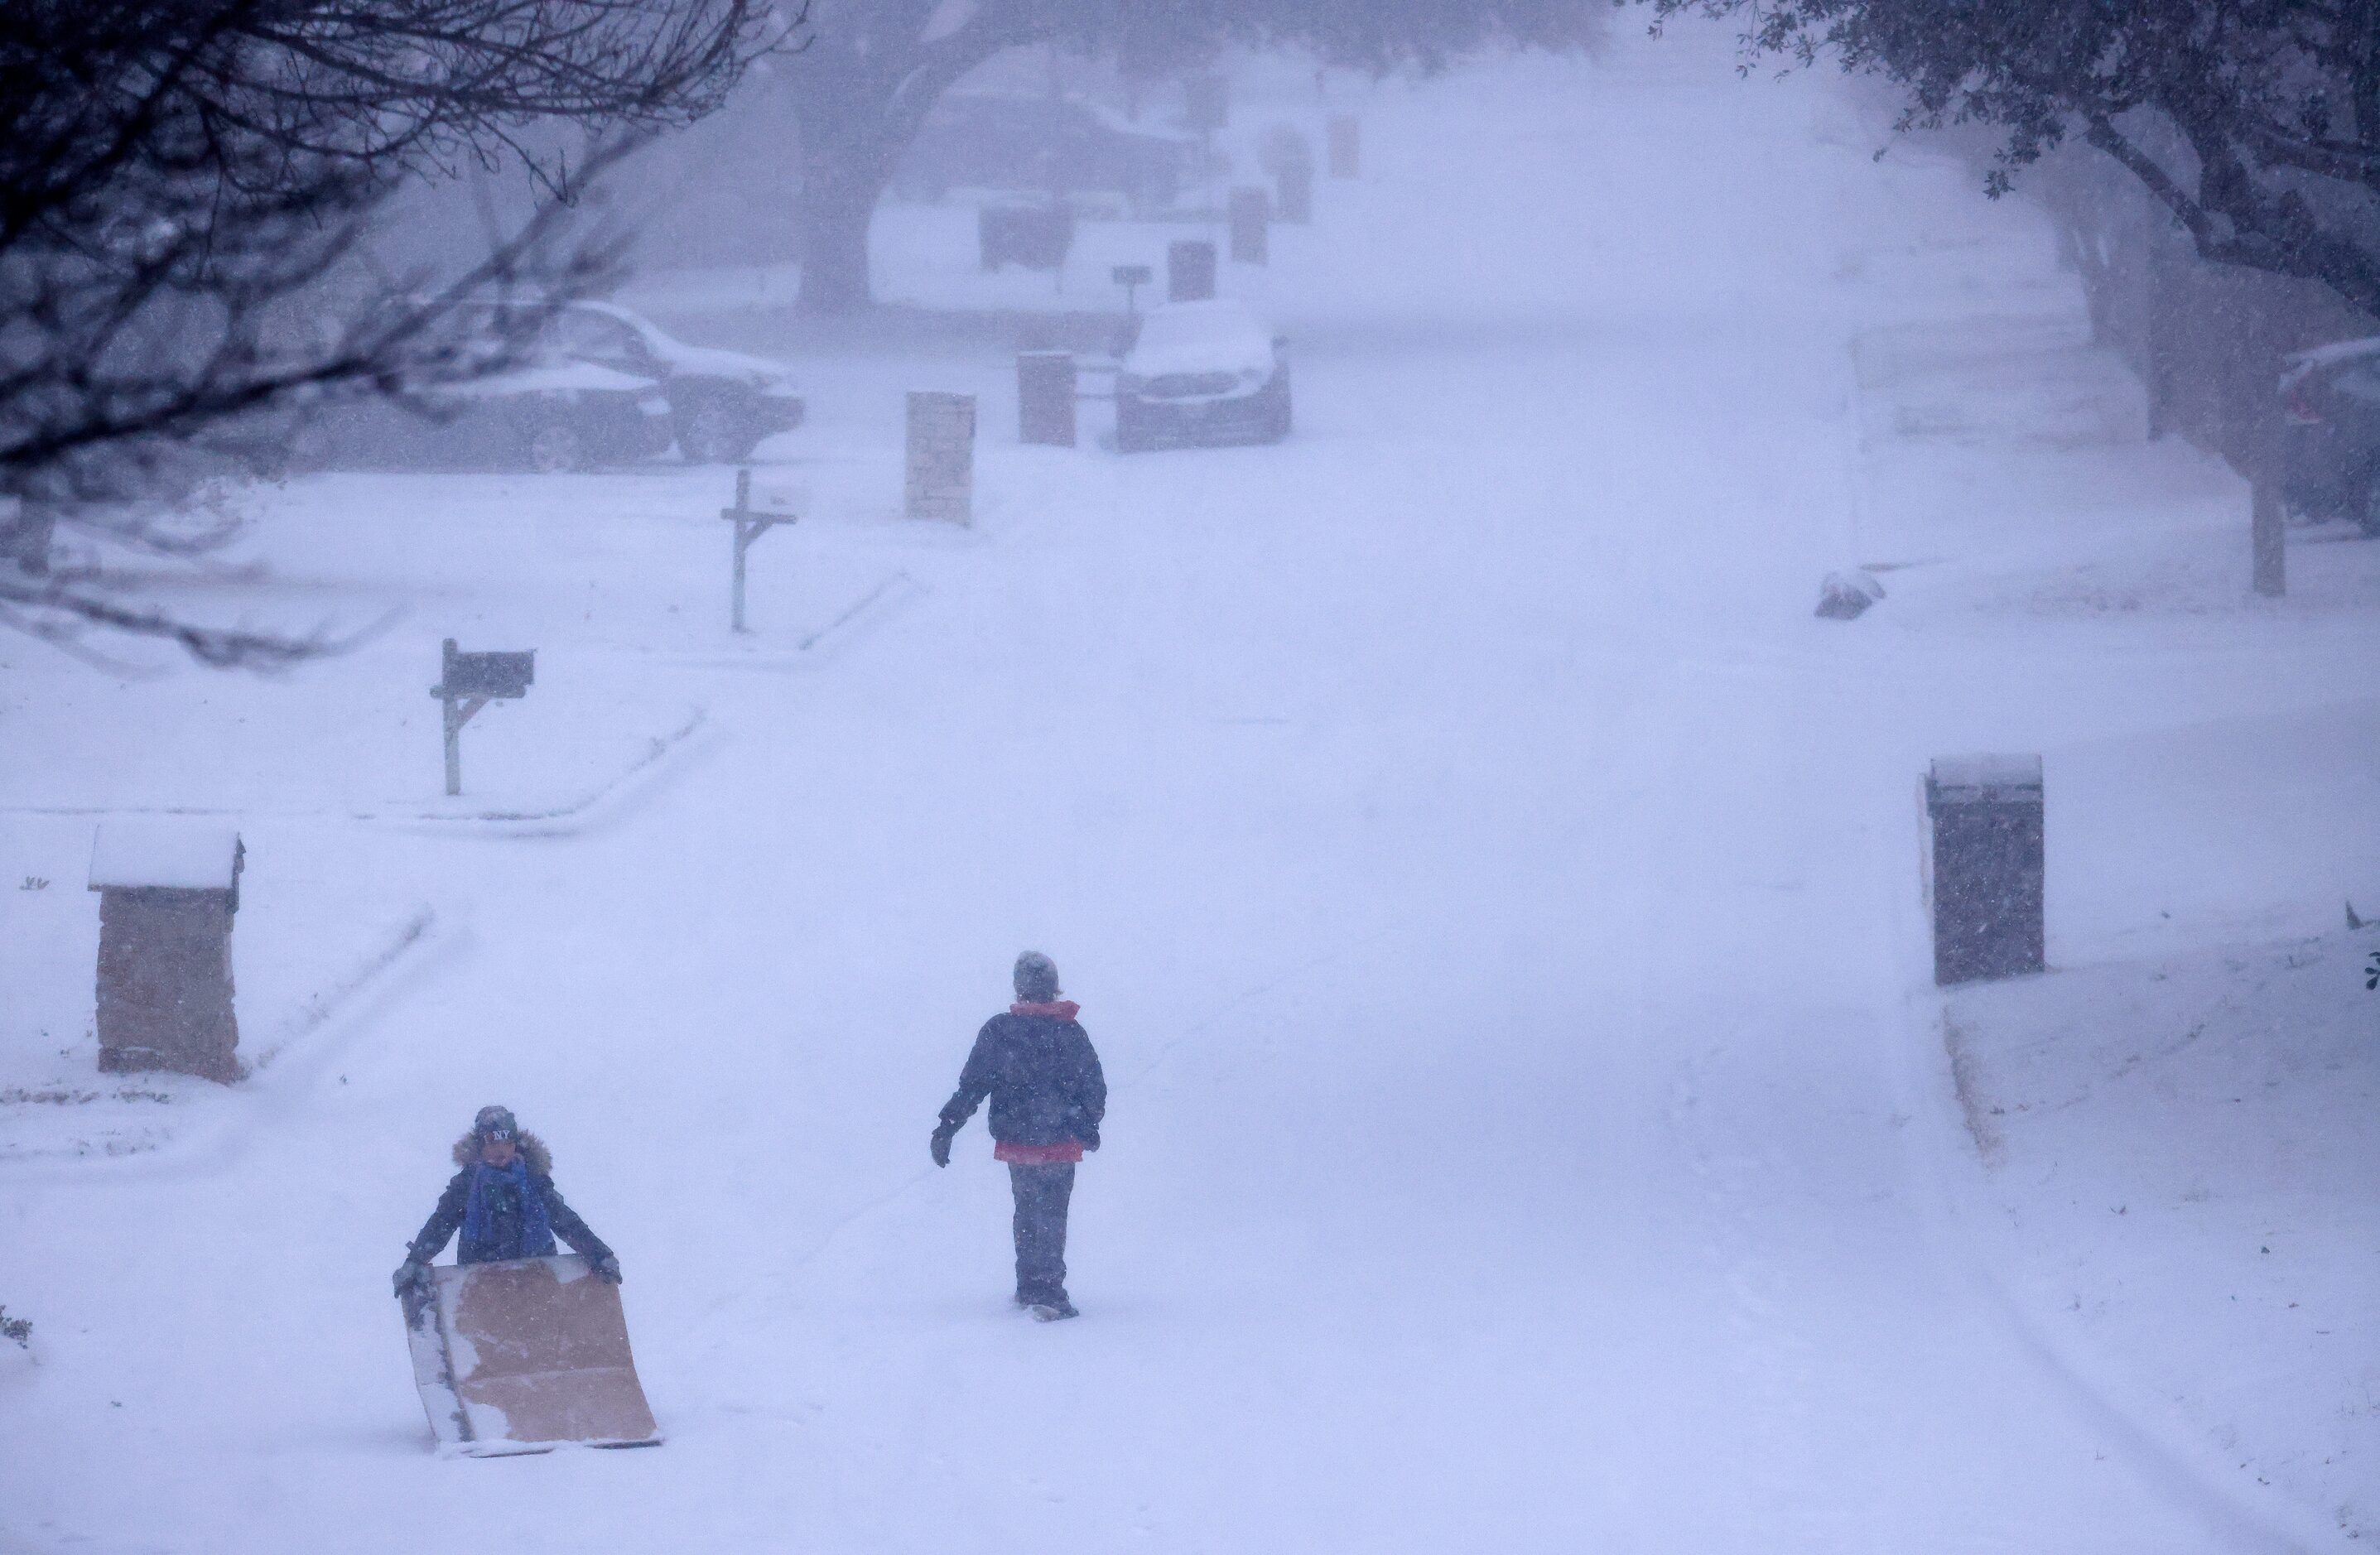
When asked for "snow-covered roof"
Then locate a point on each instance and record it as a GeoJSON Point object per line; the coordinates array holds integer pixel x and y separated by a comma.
{"type": "Point", "coordinates": [171, 851]}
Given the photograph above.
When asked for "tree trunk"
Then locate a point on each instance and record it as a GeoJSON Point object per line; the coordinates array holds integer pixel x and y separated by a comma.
{"type": "Point", "coordinates": [834, 251]}
{"type": "Point", "coordinates": [841, 106]}
{"type": "Point", "coordinates": [860, 100]}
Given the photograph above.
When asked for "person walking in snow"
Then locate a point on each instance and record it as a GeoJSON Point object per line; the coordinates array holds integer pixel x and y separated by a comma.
{"type": "Point", "coordinates": [1036, 1065]}
{"type": "Point", "coordinates": [503, 1200]}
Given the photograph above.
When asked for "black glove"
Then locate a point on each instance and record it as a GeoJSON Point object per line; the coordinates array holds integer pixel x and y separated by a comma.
{"type": "Point", "coordinates": [412, 1272]}
{"type": "Point", "coordinates": [607, 1269]}
{"type": "Point", "coordinates": [942, 1145]}
{"type": "Point", "coordinates": [1088, 1134]}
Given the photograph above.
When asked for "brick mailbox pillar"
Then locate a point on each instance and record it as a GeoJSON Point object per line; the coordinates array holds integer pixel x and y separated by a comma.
{"type": "Point", "coordinates": [167, 891]}
{"type": "Point", "coordinates": [1984, 866]}
{"type": "Point", "coordinates": [940, 476]}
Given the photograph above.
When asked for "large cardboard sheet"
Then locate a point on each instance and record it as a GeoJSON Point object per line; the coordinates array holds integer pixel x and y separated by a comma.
{"type": "Point", "coordinates": [524, 1356]}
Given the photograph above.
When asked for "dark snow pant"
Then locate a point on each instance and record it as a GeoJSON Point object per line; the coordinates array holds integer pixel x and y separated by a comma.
{"type": "Point", "coordinates": [1042, 1195]}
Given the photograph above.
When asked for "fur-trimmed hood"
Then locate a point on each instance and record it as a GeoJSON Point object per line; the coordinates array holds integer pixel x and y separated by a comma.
{"type": "Point", "coordinates": [532, 1151]}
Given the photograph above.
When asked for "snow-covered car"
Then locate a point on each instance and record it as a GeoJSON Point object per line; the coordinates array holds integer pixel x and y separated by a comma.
{"type": "Point", "coordinates": [548, 414]}
{"type": "Point", "coordinates": [721, 402]}
{"type": "Point", "coordinates": [1202, 373]}
{"type": "Point", "coordinates": [2330, 406]}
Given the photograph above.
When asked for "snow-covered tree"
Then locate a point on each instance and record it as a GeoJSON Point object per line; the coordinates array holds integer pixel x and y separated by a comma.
{"type": "Point", "coordinates": [180, 178]}
{"type": "Point", "coordinates": [2257, 123]}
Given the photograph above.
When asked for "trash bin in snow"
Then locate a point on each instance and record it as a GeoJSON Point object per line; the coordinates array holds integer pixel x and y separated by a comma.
{"type": "Point", "coordinates": [1189, 271]}
{"type": "Point", "coordinates": [1251, 216]}
{"type": "Point", "coordinates": [167, 890]}
{"type": "Point", "coordinates": [1045, 397]}
{"type": "Point", "coordinates": [1985, 863]}
{"type": "Point", "coordinates": [1346, 146]}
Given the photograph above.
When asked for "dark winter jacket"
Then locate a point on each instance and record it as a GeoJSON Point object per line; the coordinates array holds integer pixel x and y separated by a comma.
{"type": "Point", "coordinates": [1043, 1079]}
{"type": "Point", "coordinates": [502, 1236]}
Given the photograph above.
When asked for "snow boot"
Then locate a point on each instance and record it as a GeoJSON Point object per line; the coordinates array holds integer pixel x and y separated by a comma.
{"type": "Point", "coordinates": [1053, 1309]}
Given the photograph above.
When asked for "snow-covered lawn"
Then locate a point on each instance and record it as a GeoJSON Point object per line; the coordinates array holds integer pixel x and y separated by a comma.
{"type": "Point", "coordinates": [2187, 1153]}
{"type": "Point", "coordinates": [1492, 892]}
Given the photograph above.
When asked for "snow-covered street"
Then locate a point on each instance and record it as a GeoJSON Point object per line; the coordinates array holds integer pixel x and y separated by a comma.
{"type": "Point", "coordinates": [1490, 889]}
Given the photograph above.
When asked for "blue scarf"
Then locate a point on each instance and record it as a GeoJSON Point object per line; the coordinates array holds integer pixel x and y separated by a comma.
{"type": "Point", "coordinates": [537, 1231]}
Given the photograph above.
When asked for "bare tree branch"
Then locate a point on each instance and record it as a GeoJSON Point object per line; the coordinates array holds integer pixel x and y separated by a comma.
{"type": "Point", "coordinates": [187, 188]}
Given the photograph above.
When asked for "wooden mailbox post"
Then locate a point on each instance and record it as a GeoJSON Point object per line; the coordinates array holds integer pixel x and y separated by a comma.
{"type": "Point", "coordinates": [1132, 277]}
{"type": "Point", "coordinates": [752, 519]}
{"type": "Point", "coordinates": [470, 682]}
{"type": "Point", "coordinates": [168, 890]}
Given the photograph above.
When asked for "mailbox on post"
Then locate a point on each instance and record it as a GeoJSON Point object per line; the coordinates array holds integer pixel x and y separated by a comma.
{"type": "Point", "coordinates": [755, 514]}
{"type": "Point", "coordinates": [1984, 866]}
{"type": "Point", "coordinates": [1131, 277]}
{"type": "Point", "coordinates": [168, 890]}
{"type": "Point", "coordinates": [470, 682]}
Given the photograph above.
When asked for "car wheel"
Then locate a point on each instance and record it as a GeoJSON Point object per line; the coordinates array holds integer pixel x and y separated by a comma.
{"type": "Point", "coordinates": [555, 445]}
{"type": "Point", "coordinates": [711, 433]}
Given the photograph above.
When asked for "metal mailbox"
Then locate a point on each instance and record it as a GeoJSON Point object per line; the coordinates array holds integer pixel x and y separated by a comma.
{"type": "Point", "coordinates": [468, 682]}
{"type": "Point", "coordinates": [503, 676]}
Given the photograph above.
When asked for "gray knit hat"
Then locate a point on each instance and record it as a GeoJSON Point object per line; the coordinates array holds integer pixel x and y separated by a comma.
{"type": "Point", "coordinates": [1037, 977]}
{"type": "Point", "coordinates": [496, 1123]}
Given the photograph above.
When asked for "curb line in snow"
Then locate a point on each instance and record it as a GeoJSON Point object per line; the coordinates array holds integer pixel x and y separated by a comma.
{"type": "Point", "coordinates": [853, 626]}
{"type": "Point", "coordinates": [621, 795]}
{"type": "Point", "coordinates": [596, 807]}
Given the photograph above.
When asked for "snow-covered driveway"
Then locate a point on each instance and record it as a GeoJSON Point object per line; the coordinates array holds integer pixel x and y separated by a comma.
{"type": "Point", "coordinates": [1482, 877]}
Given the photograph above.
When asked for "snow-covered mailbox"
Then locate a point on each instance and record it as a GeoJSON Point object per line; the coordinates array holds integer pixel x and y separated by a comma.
{"type": "Point", "coordinates": [167, 890]}
{"type": "Point", "coordinates": [1983, 866]}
